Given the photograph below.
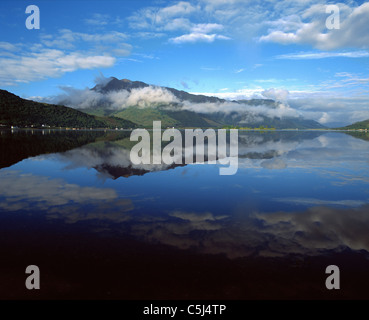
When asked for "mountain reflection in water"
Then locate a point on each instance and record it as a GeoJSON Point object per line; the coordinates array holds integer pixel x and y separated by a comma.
{"type": "Point", "coordinates": [73, 204]}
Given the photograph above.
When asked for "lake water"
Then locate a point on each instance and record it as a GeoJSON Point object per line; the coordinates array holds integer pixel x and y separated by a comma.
{"type": "Point", "coordinates": [72, 203]}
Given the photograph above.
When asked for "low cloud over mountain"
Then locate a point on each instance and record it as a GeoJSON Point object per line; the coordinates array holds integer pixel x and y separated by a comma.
{"type": "Point", "coordinates": [125, 98]}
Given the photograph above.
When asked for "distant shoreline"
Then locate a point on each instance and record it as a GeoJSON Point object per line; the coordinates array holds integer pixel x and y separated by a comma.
{"type": "Point", "coordinates": [179, 128]}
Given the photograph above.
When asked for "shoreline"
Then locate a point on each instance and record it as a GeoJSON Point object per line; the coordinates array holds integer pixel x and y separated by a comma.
{"type": "Point", "coordinates": [179, 128]}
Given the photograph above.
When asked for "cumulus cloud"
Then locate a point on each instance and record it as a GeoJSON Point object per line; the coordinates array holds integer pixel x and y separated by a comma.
{"type": "Point", "coordinates": [144, 97]}
{"type": "Point", "coordinates": [325, 118]}
{"type": "Point", "coordinates": [276, 94]}
{"type": "Point", "coordinates": [141, 97]}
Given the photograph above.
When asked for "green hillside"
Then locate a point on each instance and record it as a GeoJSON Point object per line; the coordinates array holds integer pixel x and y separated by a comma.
{"type": "Point", "coordinates": [145, 117]}
{"type": "Point", "coordinates": [358, 125]}
{"type": "Point", "coordinates": [15, 111]}
{"type": "Point", "coordinates": [169, 118]}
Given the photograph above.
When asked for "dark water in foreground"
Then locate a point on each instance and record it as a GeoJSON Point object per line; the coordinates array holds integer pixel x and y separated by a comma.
{"type": "Point", "coordinates": [99, 227]}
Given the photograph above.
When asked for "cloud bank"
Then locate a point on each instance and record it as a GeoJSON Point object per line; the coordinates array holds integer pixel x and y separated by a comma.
{"type": "Point", "coordinates": [114, 100]}
{"type": "Point", "coordinates": [155, 96]}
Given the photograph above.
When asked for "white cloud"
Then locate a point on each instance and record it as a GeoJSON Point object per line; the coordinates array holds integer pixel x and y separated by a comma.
{"type": "Point", "coordinates": [211, 68]}
{"type": "Point", "coordinates": [257, 65]}
{"type": "Point", "coordinates": [239, 94]}
{"type": "Point", "coordinates": [174, 18]}
{"type": "Point", "coordinates": [56, 55]}
{"type": "Point", "coordinates": [249, 112]}
{"type": "Point", "coordinates": [276, 94]}
{"type": "Point", "coordinates": [98, 19]}
{"type": "Point", "coordinates": [177, 24]}
{"type": "Point", "coordinates": [323, 55]}
{"type": "Point", "coordinates": [206, 27]}
{"type": "Point", "coordinates": [101, 43]}
{"type": "Point", "coordinates": [26, 67]}
{"type": "Point", "coordinates": [141, 97]}
{"type": "Point", "coordinates": [152, 96]}
{"type": "Point", "coordinates": [7, 46]}
{"type": "Point", "coordinates": [288, 21]}
{"type": "Point", "coordinates": [239, 70]}
{"type": "Point", "coordinates": [180, 8]}
{"type": "Point", "coordinates": [200, 33]}
{"type": "Point", "coordinates": [331, 108]}
{"type": "Point", "coordinates": [197, 37]}
{"type": "Point", "coordinates": [325, 118]}
{"type": "Point", "coordinates": [326, 109]}
{"type": "Point", "coordinates": [144, 97]}
{"type": "Point", "coordinates": [167, 18]}
{"type": "Point", "coordinates": [352, 32]}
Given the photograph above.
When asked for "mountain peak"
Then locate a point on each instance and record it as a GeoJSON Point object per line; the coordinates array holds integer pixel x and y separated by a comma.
{"type": "Point", "coordinates": [171, 113]}
{"type": "Point", "coordinates": [116, 85]}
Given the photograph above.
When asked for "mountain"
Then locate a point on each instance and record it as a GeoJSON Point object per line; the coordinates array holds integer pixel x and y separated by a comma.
{"type": "Point", "coordinates": [358, 125]}
{"type": "Point", "coordinates": [116, 85]}
{"type": "Point", "coordinates": [173, 114]}
{"type": "Point", "coordinates": [15, 111]}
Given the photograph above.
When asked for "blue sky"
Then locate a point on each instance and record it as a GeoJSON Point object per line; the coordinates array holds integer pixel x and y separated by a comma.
{"type": "Point", "coordinates": [233, 49]}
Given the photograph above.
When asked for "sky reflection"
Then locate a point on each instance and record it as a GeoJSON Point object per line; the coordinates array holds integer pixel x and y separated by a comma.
{"type": "Point", "coordinates": [303, 193]}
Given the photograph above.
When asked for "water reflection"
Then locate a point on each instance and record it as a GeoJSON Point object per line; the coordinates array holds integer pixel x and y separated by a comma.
{"type": "Point", "coordinates": [22, 144]}
{"type": "Point", "coordinates": [113, 158]}
{"type": "Point", "coordinates": [233, 231]}
{"type": "Point", "coordinates": [296, 194]}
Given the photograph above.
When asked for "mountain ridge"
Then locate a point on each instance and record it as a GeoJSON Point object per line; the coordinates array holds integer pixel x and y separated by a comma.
{"type": "Point", "coordinates": [18, 112]}
{"type": "Point", "coordinates": [171, 114]}
{"type": "Point", "coordinates": [359, 125]}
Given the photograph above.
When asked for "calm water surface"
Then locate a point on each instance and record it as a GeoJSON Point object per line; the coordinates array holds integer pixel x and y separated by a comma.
{"type": "Point", "coordinates": [97, 226]}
